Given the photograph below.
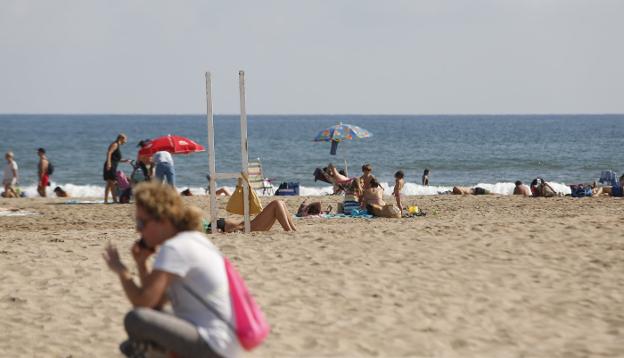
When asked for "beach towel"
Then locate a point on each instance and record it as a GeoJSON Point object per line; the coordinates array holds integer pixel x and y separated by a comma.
{"type": "Point", "coordinates": [580, 190]}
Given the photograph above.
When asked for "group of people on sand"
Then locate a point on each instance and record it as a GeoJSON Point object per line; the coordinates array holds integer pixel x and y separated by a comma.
{"type": "Point", "coordinates": [541, 188]}
{"type": "Point", "coordinates": [10, 178]}
{"type": "Point", "coordinates": [366, 190]}
{"type": "Point", "coordinates": [158, 165]}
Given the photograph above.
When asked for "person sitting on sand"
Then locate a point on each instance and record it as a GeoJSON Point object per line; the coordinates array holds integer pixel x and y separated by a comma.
{"type": "Point", "coordinates": [275, 211]}
{"type": "Point", "coordinates": [521, 189]}
{"type": "Point", "coordinates": [367, 176]}
{"type": "Point", "coordinates": [60, 192]}
{"type": "Point", "coordinates": [461, 190]}
{"type": "Point", "coordinates": [187, 265]}
{"type": "Point", "coordinates": [539, 187]}
{"type": "Point", "coordinates": [373, 195]}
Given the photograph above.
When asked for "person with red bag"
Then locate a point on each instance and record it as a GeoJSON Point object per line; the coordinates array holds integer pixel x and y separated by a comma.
{"type": "Point", "coordinates": [189, 272]}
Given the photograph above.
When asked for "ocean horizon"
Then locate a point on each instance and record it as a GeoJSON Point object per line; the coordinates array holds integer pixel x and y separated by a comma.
{"type": "Point", "coordinates": [488, 150]}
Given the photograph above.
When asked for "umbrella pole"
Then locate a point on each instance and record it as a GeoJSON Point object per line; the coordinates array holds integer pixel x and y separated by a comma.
{"type": "Point", "coordinates": [244, 149]}
{"type": "Point", "coordinates": [211, 155]}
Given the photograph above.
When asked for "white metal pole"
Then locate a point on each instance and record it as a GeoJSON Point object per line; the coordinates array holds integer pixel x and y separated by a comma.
{"type": "Point", "coordinates": [244, 149]}
{"type": "Point", "coordinates": [211, 156]}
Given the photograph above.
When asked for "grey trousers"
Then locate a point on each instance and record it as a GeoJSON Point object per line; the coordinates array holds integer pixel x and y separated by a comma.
{"type": "Point", "coordinates": [167, 331]}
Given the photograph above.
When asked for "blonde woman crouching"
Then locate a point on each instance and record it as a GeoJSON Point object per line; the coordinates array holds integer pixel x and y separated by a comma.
{"type": "Point", "coordinates": [185, 260]}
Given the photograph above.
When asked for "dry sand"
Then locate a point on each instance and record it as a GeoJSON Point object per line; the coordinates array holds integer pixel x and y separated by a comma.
{"type": "Point", "coordinates": [487, 276]}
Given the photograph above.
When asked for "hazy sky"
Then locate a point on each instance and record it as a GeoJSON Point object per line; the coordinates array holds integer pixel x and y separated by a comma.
{"type": "Point", "coordinates": [303, 56]}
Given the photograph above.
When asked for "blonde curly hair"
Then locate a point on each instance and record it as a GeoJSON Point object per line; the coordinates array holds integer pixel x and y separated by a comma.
{"type": "Point", "coordinates": [162, 202]}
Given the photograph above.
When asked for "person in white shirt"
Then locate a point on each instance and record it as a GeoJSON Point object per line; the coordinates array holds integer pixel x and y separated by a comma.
{"type": "Point", "coordinates": [186, 264]}
{"type": "Point", "coordinates": [165, 171]}
{"type": "Point", "coordinates": [10, 177]}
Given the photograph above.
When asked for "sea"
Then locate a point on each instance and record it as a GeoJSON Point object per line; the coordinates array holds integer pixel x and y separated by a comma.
{"type": "Point", "coordinates": [490, 151]}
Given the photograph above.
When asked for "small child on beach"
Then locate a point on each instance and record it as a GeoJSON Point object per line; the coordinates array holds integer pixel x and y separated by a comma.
{"type": "Point", "coordinates": [425, 178]}
{"type": "Point", "coordinates": [367, 175]}
{"type": "Point", "coordinates": [398, 186]}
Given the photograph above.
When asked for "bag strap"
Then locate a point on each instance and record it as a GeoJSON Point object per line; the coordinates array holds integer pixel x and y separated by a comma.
{"type": "Point", "coordinates": [209, 307]}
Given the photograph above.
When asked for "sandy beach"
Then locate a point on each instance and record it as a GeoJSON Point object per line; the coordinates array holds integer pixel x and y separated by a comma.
{"type": "Point", "coordinates": [485, 276]}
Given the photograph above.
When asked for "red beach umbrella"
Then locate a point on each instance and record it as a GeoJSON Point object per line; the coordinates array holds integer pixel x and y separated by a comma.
{"type": "Point", "coordinates": [171, 143]}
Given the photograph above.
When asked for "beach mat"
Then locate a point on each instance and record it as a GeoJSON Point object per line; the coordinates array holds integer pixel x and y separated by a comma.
{"type": "Point", "coordinates": [78, 202]}
{"type": "Point", "coordinates": [16, 213]}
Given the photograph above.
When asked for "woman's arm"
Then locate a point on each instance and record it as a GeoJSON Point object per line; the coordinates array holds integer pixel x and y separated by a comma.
{"type": "Point", "coordinates": [153, 284]}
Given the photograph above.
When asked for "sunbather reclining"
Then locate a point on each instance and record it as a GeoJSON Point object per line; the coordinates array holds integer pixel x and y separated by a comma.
{"type": "Point", "coordinates": [462, 190]}
{"type": "Point", "coordinates": [276, 210]}
{"type": "Point", "coordinates": [614, 190]}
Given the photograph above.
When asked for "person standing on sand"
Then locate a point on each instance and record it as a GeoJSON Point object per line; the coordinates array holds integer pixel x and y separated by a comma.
{"type": "Point", "coordinates": [399, 182]}
{"type": "Point", "coordinates": [113, 157]}
{"type": "Point", "coordinates": [44, 178]}
{"type": "Point", "coordinates": [10, 176]}
{"type": "Point", "coordinates": [165, 171]}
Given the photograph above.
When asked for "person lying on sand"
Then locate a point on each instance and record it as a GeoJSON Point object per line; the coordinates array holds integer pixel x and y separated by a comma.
{"type": "Point", "coordinates": [521, 189]}
{"type": "Point", "coordinates": [60, 192]}
{"type": "Point", "coordinates": [462, 190]}
{"type": "Point", "coordinates": [187, 266]}
{"type": "Point", "coordinates": [615, 190]}
{"type": "Point", "coordinates": [275, 211]}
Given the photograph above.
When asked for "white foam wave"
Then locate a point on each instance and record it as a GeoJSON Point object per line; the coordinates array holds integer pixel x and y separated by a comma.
{"type": "Point", "coordinates": [96, 191]}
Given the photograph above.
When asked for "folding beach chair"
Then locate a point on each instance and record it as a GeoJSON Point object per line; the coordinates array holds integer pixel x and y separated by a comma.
{"type": "Point", "coordinates": [257, 180]}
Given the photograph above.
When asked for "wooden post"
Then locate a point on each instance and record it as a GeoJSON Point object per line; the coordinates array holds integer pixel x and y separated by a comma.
{"type": "Point", "coordinates": [244, 149]}
{"type": "Point", "coordinates": [211, 156]}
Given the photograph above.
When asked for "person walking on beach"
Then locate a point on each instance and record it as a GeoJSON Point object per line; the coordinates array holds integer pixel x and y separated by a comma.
{"type": "Point", "coordinates": [10, 176]}
{"type": "Point", "coordinates": [44, 177]}
{"type": "Point", "coordinates": [398, 186]}
{"type": "Point", "coordinates": [187, 266]}
{"type": "Point", "coordinates": [165, 171]}
{"type": "Point", "coordinates": [113, 157]}
{"type": "Point", "coordinates": [425, 177]}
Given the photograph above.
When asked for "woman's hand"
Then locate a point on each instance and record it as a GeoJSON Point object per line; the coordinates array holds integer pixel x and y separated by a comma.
{"type": "Point", "coordinates": [141, 254]}
{"type": "Point", "coordinates": [108, 166]}
{"type": "Point", "coordinates": [113, 261]}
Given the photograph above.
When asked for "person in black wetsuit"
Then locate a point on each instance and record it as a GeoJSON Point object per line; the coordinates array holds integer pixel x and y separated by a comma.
{"type": "Point", "coordinates": [113, 157]}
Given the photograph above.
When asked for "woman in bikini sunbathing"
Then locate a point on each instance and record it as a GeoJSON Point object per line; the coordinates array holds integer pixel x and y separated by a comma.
{"type": "Point", "coordinates": [275, 211]}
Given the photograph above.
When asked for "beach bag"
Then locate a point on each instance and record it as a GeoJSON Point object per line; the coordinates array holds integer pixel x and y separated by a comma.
{"type": "Point", "coordinates": [235, 204]}
{"type": "Point", "coordinates": [251, 327]}
{"type": "Point", "coordinates": [288, 188]}
{"type": "Point", "coordinates": [50, 168]}
{"type": "Point", "coordinates": [386, 211]}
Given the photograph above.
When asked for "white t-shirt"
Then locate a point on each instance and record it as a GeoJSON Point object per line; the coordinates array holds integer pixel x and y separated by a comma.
{"type": "Point", "coordinates": [8, 171]}
{"type": "Point", "coordinates": [163, 157]}
{"type": "Point", "coordinates": [197, 263]}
